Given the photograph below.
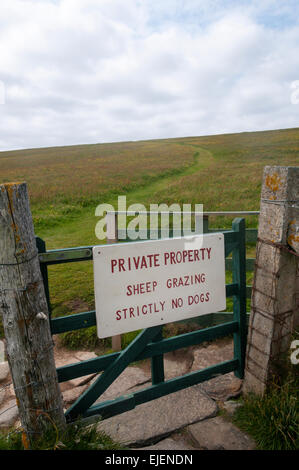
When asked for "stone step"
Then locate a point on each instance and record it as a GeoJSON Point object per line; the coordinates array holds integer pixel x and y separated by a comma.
{"type": "Point", "coordinates": [219, 434]}
{"type": "Point", "coordinates": [222, 387]}
{"type": "Point", "coordinates": [151, 421]}
{"type": "Point", "coordinates": [170, 444]}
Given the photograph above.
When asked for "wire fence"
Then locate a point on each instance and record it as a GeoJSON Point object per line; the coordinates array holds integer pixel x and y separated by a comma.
{"type": "Point", "coordinates": [13, 425]}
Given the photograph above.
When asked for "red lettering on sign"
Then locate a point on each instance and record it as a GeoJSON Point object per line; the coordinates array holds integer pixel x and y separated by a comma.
{"type": "Point", "coordinates": [137, 311]}
{"type": "Point", "coordinates": [141, 288]}
{"type": "Point", "coordinates": [186, 256]}
{"type": "Point", "coordinates": [113, 264]}
{"type": "Point", "coordinates": [152, 260]}
{"type": "Point", "coordinates": [118, 315]}
{"type": "Point", "coordinates": [195, 299]}
{"type": "Point", "coordinates": [176, 303]}
{"type": "Point", "coordinates": [183, 281]}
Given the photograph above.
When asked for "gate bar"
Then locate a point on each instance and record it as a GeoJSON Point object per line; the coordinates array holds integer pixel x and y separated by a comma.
{"type": "Point", "coordinates": [111, 373]}
{"type": "Point", "coordinates": [101, 363]}
{"type": "Point", "coordinates": [126, 403]}
{"type": "Point", "coordinates": [239, 301]}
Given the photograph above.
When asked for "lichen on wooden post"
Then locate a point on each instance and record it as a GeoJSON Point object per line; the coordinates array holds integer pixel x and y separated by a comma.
{"type": "Point", "coordinates": [24, 310]}
{"type": "Point", "coordinates": [273, 301]}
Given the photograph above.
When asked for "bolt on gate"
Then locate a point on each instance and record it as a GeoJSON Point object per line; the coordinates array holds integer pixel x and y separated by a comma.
{"type": "Point", "coordinates": [150, 343]}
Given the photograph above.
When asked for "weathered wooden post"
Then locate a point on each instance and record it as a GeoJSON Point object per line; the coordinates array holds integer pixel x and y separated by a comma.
{"type": "Point", "coordinates": [273, 301]}
{"type": "Point", "coordinates": [24, 310]}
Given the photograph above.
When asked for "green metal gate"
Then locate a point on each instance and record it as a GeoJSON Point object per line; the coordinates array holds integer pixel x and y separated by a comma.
{"type": "Point", "coordinates": [150, 343]}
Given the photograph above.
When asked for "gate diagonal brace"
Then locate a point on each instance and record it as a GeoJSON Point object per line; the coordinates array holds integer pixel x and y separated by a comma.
{"type": "Point", "coordinates": [111, 373]}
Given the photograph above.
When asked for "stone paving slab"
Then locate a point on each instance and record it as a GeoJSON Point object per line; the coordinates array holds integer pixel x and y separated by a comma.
{"type": "Point", "coordinates": [176, 364]}
{"type": "Point", "coordinates": [4, 371]}
{"type": "Point", "coordinates": [9, 414]}
{"type": "Point", "coordinates": [129, 380]}
{"type": "Point", "coordinates": [224, 386]}
{"type": "Point", "coordinates": [169, 444]}
{"type": "Point", "coordinates": [64, 357]}
{"type": "Point", "coordinates": [219, 434]}
{"type": "Point", "coordinates": [158, 418]}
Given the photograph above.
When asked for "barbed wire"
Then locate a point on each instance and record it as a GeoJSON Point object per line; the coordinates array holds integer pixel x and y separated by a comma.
{"type": "Point", "coordinates": [291, 204]}
{"type": "Point", "coordinates": [29, 384]}
{"type": "Point", "coordinates": [43, 351]}
{"type": "Point", "coordinates": [7, 409]}
{"type": "Point", "coordinates": [18, 430]}
{"type": "Point", "coordinates": [280, 246]}
{"type": "Point", "coordinates": [21, 262]}
{"type": "Point", "coordinates": [6, 386]}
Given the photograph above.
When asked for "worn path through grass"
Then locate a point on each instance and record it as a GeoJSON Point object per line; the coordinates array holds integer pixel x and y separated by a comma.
{"type": "Point", "coordinates": [81, 230]}
{"type": "Point", "coordinates": [71, 285]}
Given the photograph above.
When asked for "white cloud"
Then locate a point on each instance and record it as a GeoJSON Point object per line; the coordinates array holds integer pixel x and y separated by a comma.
{"type": "Point", "coordinates": [84, 71]}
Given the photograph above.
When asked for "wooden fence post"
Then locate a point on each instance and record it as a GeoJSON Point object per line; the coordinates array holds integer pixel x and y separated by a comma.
{"type": "Point", "coordinates": [273, 291]}
{"type": "Point", "coordinates": [24, 310]}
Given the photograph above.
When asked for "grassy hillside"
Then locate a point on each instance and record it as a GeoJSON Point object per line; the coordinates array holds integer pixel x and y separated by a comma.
{"type": "Point", "coordinates": [82, 173]}
{"type": "Point", "coordinates": [223, 172]}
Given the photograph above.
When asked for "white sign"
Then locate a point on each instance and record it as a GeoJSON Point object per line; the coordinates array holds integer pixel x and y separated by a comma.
{"type": "Point", "coordinates": [144, 284]}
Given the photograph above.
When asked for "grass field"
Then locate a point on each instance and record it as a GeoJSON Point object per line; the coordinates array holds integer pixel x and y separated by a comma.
{"type": "Point", "coordinates": [222, 172]}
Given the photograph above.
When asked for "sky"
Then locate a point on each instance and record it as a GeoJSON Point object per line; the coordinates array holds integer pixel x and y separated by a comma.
{"type": "Point", "coordinates": [94, 71]}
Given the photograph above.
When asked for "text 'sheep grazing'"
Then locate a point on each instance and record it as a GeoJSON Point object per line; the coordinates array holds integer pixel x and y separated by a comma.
{"type": "Point", "coordinates": [151, 261]}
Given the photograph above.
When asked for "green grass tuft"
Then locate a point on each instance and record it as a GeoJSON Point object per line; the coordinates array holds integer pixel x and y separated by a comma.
{"type": "Point", "coordinates": [83, 339]}
{"type": "Point", "coordinates": [77, 436]}
{"type": "Point", "coordinates": [272, 420]}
